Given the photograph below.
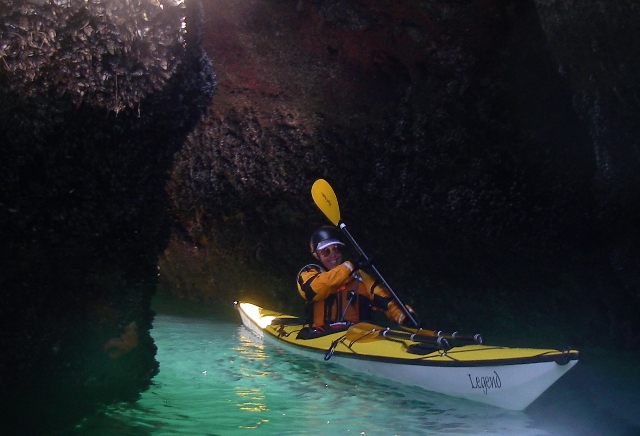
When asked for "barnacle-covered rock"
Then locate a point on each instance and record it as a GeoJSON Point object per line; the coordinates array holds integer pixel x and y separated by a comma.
{"type": "Point", "coordinates": [109, 53]}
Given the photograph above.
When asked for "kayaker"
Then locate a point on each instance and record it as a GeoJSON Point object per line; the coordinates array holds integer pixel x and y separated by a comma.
{"type": "Point", "coordinates": [338, 292]}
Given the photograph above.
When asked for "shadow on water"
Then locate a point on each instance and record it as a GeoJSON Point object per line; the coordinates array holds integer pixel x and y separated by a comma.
{"type": "Point", "coordinates": [600, 396]}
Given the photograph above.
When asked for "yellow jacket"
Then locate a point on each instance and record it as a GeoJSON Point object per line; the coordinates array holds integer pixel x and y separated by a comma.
{"type": "Point", "coordinates": [328, 292]}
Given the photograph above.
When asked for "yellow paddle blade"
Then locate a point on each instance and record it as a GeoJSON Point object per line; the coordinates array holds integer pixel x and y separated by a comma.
{"type": "Point", "coordinates": [325, 199]}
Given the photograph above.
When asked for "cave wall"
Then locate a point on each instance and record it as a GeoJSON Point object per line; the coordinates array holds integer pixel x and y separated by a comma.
{"type": "Point", "coordinates": [484, 152]}
{"type": "Point", "coordinates": [455, 141]}
{"type": "Point", "coordinates": [593, 44]}
{"type": "Point", "coordinates": [95, 99]}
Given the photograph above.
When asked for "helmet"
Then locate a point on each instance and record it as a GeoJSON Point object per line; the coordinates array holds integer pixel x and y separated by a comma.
{"type": "Point", "coordinates": [323, 237]}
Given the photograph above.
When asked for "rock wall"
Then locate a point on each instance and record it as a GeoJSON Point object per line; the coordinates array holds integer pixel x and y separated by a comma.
{"type": "Point", "coordinates": [95, 98]}
{"type": "Point", "coordinates": [594, 46]}
{"type": "Point", "coordinates": [454, 141]}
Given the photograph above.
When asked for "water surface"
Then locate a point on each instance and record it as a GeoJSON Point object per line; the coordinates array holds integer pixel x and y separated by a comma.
{"type": "Point", "coordinates": [217, 379]}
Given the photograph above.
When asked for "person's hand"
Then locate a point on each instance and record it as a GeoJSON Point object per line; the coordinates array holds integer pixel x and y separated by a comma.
{"type": "Point", "coordinates": [404, 320]}
{"type": "Point", "coordinates": [361, 262]}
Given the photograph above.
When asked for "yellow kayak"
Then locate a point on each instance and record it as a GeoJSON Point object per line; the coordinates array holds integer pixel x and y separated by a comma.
{"type": "Point", "coordinates": [510, 378]}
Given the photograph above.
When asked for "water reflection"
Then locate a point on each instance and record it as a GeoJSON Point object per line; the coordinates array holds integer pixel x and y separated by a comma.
{"type": "Point", "coordinates": [254, 400]}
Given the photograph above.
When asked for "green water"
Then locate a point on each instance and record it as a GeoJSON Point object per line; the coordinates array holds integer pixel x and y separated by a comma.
{"type": "Point", "coordinates": [215, 379]}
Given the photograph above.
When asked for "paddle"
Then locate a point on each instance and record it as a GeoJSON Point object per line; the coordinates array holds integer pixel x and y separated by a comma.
{"type": "Point", "coordinates": [327, 202]}
{"type": "Point", "coordinates": [365, 332]}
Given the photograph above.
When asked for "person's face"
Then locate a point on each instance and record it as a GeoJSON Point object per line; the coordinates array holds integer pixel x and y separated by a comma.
{"type": "Point", "coordinates": [331, 256]}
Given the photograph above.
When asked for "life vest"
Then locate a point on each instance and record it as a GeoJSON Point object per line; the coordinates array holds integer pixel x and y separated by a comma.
{"type": "Point", "coordinates": [349, 301]}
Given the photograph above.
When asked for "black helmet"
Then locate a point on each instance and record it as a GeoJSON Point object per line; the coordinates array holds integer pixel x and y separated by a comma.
{"type": "Point", "coordinates": [323, 237]}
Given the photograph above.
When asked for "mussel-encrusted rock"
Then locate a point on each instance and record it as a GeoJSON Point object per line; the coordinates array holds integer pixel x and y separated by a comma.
{"type": "Point", "coordinates": [104, 53]}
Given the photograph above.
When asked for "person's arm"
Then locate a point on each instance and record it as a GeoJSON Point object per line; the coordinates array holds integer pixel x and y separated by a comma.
{"type": "Point", "coordinates": [316, 285]}
{"type": "Point", "coordinates": [382, 300]}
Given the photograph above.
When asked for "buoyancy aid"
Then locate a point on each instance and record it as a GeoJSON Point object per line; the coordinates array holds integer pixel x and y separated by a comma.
{"type": "Point", "coordinates": [328, 292]}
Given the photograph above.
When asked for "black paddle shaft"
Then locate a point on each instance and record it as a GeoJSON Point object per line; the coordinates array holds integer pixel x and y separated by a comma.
{"type": "Point", "coordinates": [343, 227]}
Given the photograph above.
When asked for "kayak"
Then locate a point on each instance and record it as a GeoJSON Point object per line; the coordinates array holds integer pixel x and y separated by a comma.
{"type": "Point", "coordinates": [510, 378]}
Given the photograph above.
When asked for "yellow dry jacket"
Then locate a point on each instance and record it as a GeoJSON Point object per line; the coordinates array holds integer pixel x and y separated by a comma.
{"type": "Point", "coordinates": [328, 292]}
